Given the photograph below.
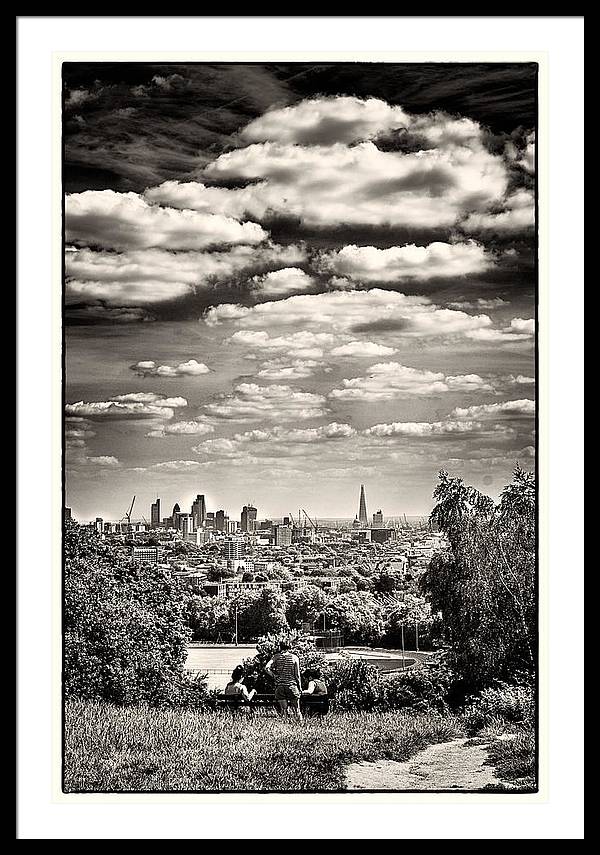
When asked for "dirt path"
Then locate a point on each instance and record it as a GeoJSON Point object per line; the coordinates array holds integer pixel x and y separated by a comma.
{"type": "Point", "coordinates": [445, 766]}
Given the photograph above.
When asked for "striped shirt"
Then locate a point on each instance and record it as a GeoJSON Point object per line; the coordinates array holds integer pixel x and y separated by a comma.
{"type": "Point", "coordinates": [284, 669]}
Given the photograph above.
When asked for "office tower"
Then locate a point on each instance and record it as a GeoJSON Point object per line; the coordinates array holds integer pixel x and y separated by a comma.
{"type": "Point", "coordinates": [99, 525]}
{"type": "Point", "coordinates": [287, 521]}
{"type": "Point", "coordinates": [186, 524]}
{"type": "Point", "coordinates": [175, 516]}
{"type": "Point", "coordinates": [221, 521]}
{"type": "Point", "coordinates": [199, 510]}
{"type": "Point", "coordinates": [68, 514]}
{"type": "Point", "coordinates": [378, 519]}
{"type": "Point", "coordinates": [155, 514]}
{"type": "Point", "coordinates": [362, 508]}
{"type": "Point", "coordinates": [248, 521]}
{"type": "Point", "coordinates": [233, 549]}
{"type": "Point", "coordinates": [283, 535]}
{"type": "Point", "coordinates": [209, 520]}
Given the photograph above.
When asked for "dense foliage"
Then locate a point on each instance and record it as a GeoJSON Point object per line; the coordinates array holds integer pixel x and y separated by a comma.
{"type": "Point", "coordinates": [484, 586]}
{"type": "Point", "coordinates": [124, 627]}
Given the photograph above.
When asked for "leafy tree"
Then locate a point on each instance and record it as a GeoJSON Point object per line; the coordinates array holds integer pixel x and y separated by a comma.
{"type": "Point", "coordinates": [304, 606]}
{"type": "Point", "coordinates": [259, 613]}
{"type": "Point", "coordinates": [357, 615]}
{"type": "Point", "coordinates": [124, 626]}
{"type": "Point", "coordinates": [209, 618]}
{"type": "Point", "coordinates": [484, 584]}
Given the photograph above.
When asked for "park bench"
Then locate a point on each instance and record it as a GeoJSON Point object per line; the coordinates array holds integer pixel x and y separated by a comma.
{"type": "Point", "coordinates": [309, 704]}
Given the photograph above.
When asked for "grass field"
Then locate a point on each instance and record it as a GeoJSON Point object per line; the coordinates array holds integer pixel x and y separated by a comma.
{"type": "Point", "coordinates": [111, 748]}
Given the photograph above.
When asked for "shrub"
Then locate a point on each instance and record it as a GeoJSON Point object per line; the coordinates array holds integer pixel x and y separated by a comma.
{"type": "Point", "coordinates": [417, 689]}
{"type": "Point", "coordinates": [354, 683]}
{"type": "Point", "coordinates": [503, 703]}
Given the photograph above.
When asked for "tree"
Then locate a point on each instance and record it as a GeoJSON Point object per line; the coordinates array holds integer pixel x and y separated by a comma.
{"type": "Point", "coordinates": [304, 606]}
{"type": "Point", "coordinates": [484, 584]}
{"type": "Point", "coordinates": [357, 615]}
{"type": "Point", "coordinates": [259, 613]}
{"type": "Point", "coordinates": [124, 625]}
{"type": "Point", "coordinates": [209, 618]}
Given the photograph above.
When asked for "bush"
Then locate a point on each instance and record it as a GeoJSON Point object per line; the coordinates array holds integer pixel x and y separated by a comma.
{"type": "Point", "coordinates": [504, 703]}
{"type": "Point", "coordinates": [420, 689]}
{"type": "Point", "coordinates": [354, 683]}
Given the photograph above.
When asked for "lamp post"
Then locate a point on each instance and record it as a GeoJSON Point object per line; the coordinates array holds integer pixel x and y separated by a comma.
{"type": "Point", "coordinates": [402, 636]}
{"type": "Point", "coordinates": [236, 624]}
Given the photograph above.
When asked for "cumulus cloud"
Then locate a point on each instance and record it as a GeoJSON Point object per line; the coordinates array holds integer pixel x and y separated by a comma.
{"type": "Point", "coordinates": [149, 368]}
{"type": "Point", "coordinates": [523, 156]}
{"type": "Point", "coordinates": [512, 409]}
{"type": "Point", "coordinates": [519, 329]}
{"type": "Point", "coordinates": [277, 283]}
{"type": "Point", "coordinates": [320, 121]}
{"type": "Point", "coordinates": [520, 380]}
{"type": "Point", "coordinates": [517, 215]}
{"type": "Point", "coordinates": [145, 276]}
{"type": "Point", "coordinates": [251, 402]}
{"type": "Point", "coordinates": [428, 429]}
{"type": "Point", "coordinates": [479, 304]}
{"type": "Point", "coordinates": [189, 428]}
{"type": "Point", "coordinates": [410, 262]}
{"type": "Point", "coordinates": [125, 221]}
{"type": "Point", "coordinates": [302, 345]}
{"type": "Point", "coordinates": [284, 369]}
{"type": "Point", "coordinates": [387, 381]}
{"type": "Point", "coordinates": [362, 348]}
{"type": "Point", "coordinates": [352, 311]}
{"type": "Point", "coordinates": [133, 406]}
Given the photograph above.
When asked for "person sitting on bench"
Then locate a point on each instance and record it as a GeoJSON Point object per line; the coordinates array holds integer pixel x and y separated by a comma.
{"type": "Point", "coordinates": [316, 685]}
{"type": "Point", "coordinates": [236, 687]}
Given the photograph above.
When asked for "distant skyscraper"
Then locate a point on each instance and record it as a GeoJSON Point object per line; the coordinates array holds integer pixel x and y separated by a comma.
{"type": "Point", "coordinates": [221, 520]}
{"type": "Point", "coordinates": [199, 510]}
{"type": "Point", "coordinates": [155, 514]}
{"type": "Point", "coordinates": [378, 519]}
{"type": "Point", "coordinates": [248, 521]}
{"type": "Point", "coordinates": [283, 535]}
{"type": "Point", "coordinates": [99, 525]}
{"type": "Point", "coordinates": [209, 520]}
{"type": "Point", "coordinates": [186, 524]}
{"type": "Point", "coordinates": [362, 508]}
{"type": "Point", "coordinates": [175, 516]}
{"type": "Point", "coordinates": [68, 514]}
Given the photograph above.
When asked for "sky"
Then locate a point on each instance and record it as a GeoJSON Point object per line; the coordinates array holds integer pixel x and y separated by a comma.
{"type": "Point", "coordinates": [283, 281]}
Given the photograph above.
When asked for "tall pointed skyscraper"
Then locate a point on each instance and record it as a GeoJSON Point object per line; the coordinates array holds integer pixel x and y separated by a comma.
{"type": "Point", "coordinates": [362, 508]}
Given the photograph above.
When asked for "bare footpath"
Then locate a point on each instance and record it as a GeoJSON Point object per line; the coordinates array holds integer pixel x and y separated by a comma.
{"type": "Point", "coordinates": [455, 765]}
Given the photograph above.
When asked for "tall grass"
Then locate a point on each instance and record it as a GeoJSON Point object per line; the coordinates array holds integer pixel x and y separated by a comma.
{"type": "Point", "coordinates": [110, 748]}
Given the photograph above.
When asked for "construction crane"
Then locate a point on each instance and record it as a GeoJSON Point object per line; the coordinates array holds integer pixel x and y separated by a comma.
{"type": "Point", "coordinates": [128, 514]}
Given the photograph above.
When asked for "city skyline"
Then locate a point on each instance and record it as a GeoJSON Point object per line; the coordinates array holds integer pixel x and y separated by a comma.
{"type": "Point", "coordinates": [284, 279]}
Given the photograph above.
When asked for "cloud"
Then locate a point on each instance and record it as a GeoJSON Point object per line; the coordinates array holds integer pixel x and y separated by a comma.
{"type": "Point", "coordinates": [190, 428]}
{"type": "Point", "coordinates": [479, 304]}
{"type": "Point", "coordinates": [125, 221]}
{"type": "Point", "coordinates": [523, 325]}
{"type": "Point", "coordinates": [518, 215]}
{"type": "Point", "coordinates": [359, 185]}
{"type": "Point", "coordinates": [133, 406]}
{"type": "Point", "coordinates": [520, 380]}
{"type": "Point", "coordinates": [430, 429]}
{"type": "Point", "coordinates": [522, 156]}
{"type": "Point", "coordinates": [105, 461]}
{"type": "Point", "coordinates": [388, 381]}
{"type": "Point", "coordinates": [322, 121]}
{"type": "Point", "coordinates": [351, 311]}
{"type": "Point", "coordinates": [520, 329]}
{"type": "Point", "coordinates": [279, 283]}
{"type": "Point", "coordinates": [513, 409]}
{"type": "Point", "coordinates": [251, 402]}
{"type": "Point", "coordinates": [145, 276]}
{"type": "Point", "coordinates": [302, 345]}
{"type": "Point", "coordinates": [363, 348]}
{"type": "Point", "coordinates": [100, 314]}
{"type": "Point", "coordinates": [149, 368]}
{"type": "Point", "coordinates": [410, 262]}
{"type": "Point", "coordinates": [284, 369]}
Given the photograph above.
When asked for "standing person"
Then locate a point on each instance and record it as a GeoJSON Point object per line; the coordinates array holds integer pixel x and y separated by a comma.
{"type": "Point", "coordinates": [284, 668]}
